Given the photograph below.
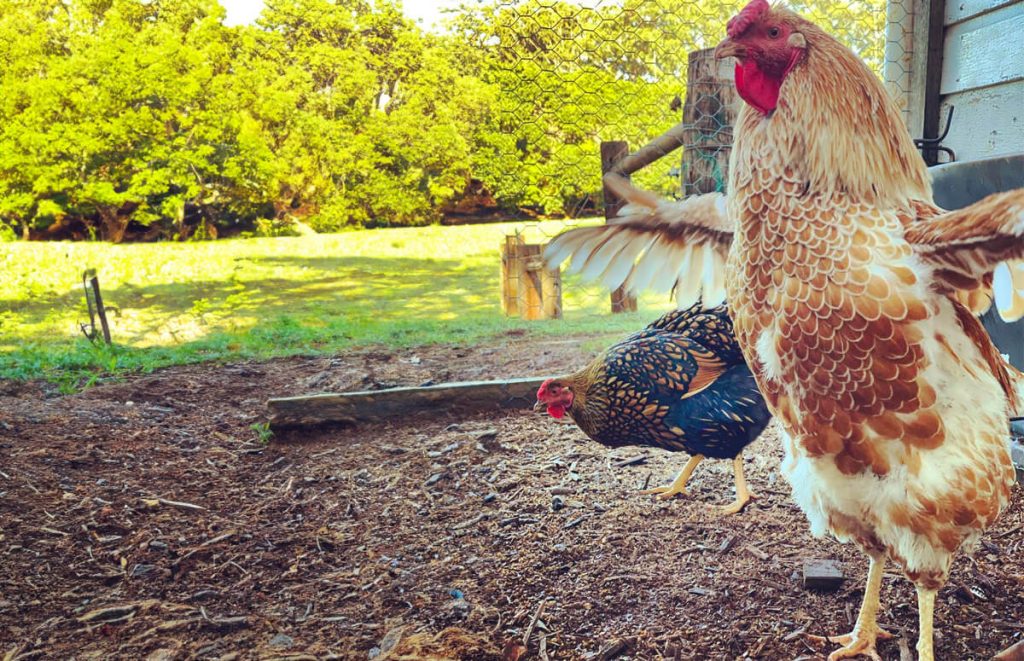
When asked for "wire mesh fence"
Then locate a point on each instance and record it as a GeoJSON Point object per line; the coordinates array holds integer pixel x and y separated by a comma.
{"type": "Point", "coordinates": [575, 74]}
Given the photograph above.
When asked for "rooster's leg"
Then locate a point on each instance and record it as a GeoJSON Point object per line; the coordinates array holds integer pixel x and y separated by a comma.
{"type": "Point", "coordinates": [743, 495]}
{"type": "Point", "coordinates": [679, 484]}
{"type": "Point", "coordinates": [861, 641]}
{"type": "Point", "coordinates": [926, 613]}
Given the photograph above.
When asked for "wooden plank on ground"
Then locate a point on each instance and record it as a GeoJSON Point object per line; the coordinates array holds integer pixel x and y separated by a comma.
{"type": "Point", "coordinates": [394, 403]}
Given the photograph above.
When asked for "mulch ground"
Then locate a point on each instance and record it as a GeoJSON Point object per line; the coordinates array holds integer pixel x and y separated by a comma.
{"type": "Point", "coordinates": [144, 519]}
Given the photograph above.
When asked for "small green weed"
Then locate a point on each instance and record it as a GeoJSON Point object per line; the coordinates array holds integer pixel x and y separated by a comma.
{"type": "Point", "coordinates": [264, 434]}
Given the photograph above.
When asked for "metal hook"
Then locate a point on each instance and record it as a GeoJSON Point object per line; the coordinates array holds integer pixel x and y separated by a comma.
{"type": "Point", "coordinates": [932, 144]}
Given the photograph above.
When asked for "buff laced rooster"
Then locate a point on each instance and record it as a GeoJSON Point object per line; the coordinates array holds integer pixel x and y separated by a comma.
{"type": "Point", "coordinates": [853, 300]}
{"type": "Point", "coordinates": [680, 384]}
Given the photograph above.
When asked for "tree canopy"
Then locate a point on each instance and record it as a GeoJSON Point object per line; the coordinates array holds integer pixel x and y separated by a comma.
{"type": "Point", "coordinates": [153, 119]}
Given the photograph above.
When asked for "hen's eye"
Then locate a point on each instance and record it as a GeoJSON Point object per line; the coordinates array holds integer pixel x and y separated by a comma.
{"type": "Point", "coordinates": [774, 33]}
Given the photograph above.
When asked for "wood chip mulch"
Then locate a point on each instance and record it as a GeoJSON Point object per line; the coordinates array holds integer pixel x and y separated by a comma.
{"type": "Point", "coordinates": [145, 520]}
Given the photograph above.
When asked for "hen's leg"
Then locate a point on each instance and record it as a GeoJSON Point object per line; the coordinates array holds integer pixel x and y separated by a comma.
{"type": "Point", "coordinates": [861, 641]}
{"type": "Point", "coordinates": [679, 484]}
{"type": "Point", "coordinates": [926, 613]}
{"type": "Point", "coordinates": [743, 495]}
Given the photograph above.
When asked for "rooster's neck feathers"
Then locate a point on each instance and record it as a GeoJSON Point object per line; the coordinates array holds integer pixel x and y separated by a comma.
{"type": "Point", "coordinates": [862, 147]}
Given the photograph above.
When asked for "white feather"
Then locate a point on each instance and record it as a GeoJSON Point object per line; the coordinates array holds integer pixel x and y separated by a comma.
{"type": "Point", "coordinates": [579, 257]}
{"type": "Point", "coordinates": [674, 257]}
{"type": "Point", "coordinates": [618, 271]}
{"type": "Point", "coordinates": [688, 283]}
{"type": "Point", "coordinates": [558, 250]}
{"type": "Point", "coordinates": [603, 257]}
{"type": "Point", "coordinates": [1002, 288]}
{"type": "Point", "coordinates": [647, 267]}
{"type": "Point", "coordinates": [714, 278]}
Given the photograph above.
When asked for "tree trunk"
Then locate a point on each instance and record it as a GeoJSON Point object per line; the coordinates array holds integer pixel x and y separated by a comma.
{"type": "Point", "coordinates": [114, 221]}
{"type": "Point", "coordinates": [112, 224]}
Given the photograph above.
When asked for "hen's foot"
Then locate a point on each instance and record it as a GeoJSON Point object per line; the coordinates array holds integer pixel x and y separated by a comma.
{"type": "Point", "coordinates": [743, 495]}
{"type": "Point", "coordinates": [666, 492]}
{"type": "Point", "coordinates": [737, 505]}
{"type": "Point", "coordinates": [856, 643]}
{"type": "Point", "coordinates": [678, 485]}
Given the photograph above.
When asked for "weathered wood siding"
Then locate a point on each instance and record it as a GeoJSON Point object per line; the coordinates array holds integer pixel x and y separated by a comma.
{"type": "Point", "coordinates": [983, 76]}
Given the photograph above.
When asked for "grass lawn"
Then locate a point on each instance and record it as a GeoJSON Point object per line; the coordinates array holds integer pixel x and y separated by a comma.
{"type": "Point", "coordinates": [172, 303]}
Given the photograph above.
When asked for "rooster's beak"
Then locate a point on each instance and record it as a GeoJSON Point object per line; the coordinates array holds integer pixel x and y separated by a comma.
{"type": "Point", "coordinates": [540, 407]}
{"type": "Point", "coordinates": [729, 48]}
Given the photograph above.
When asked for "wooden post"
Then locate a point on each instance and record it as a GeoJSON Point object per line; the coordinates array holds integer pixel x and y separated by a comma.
{"type": "Point", "coordinates": [611, 153]}
{"type": "Point", "coordinates": [527, 288]}
{"type": "Point", "coordinates": [709, 115]}
{"type": "Point", "coordinates": [530, 290]}
{"type": "Point", "coordinates": [510, 274]}
{"type": "Point", "coordinates": [551, 292]}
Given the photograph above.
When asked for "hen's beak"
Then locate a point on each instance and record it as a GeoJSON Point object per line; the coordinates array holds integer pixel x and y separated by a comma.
{"type": "Point", "coordinates": [540, 407]}
{"type": "Point", "coordinates": [729, 48]}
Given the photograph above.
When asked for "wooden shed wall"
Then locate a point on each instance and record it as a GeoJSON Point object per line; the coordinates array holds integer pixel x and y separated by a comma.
{"type": "Point", "coordinates": [983, 76]}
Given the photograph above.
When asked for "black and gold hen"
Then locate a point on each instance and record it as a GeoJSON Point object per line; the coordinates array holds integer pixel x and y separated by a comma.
{"type": "Point", "coordinates": [680, 384]}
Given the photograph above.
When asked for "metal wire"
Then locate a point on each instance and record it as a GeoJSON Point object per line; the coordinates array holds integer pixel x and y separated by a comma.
{"type": "Point", "coordinates": [574, 74]}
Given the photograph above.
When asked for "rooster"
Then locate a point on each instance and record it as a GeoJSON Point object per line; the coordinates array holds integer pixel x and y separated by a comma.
{"type": "Point", "coordinates": [680, 384]}
{"type": "Point", "coordinates": [848, 290]}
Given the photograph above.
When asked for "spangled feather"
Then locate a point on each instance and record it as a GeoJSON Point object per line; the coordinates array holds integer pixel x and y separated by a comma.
{"type": "Point", "coordinates": [709, 368]}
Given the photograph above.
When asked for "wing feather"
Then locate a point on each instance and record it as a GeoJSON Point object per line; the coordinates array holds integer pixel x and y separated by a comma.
{"type": "Point", "coordinates": [965, 247]}
{"type": "Point", "coordinates": [653, 244]}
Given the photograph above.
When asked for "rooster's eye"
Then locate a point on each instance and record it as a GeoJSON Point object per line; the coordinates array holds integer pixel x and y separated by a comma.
{"type": "Point", "coordinates": [774, 32]}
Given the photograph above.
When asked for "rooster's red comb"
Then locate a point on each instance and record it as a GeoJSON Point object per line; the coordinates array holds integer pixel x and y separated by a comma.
{"type": "Point", "coordinates": [739, 23]}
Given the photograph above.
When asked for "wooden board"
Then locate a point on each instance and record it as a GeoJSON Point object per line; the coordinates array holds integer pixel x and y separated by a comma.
{"type": "Point", "coordinates": [958, 11]}
{"type": "Point", "coordinates": [984, 51]}
{"type": "Point", "coordinates": [395, 403]}
{"type": "Point", "coordinates": [987, 122]}
{"type": "Point", "coordinates": [509, 274]}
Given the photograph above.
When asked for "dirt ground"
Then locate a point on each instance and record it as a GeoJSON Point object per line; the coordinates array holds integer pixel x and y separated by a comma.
{"type": "Point", "coordinates": [144, 519]}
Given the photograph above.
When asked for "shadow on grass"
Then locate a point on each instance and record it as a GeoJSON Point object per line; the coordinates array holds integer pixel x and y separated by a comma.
{"type": "Point", "coordinates": [284, 305]}
{"type": "Point", "coordinates": [426, 288]}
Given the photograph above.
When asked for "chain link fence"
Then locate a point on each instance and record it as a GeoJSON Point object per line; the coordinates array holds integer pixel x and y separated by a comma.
{"type": "Point", "coordinates": [574, 75]}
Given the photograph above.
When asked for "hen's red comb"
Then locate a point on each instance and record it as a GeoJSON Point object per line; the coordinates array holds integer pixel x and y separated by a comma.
{"type": "Point", "coordinates": [739, 23]}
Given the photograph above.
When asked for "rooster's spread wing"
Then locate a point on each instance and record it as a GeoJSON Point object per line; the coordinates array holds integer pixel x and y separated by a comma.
{"type": "Point", "coordinates": [662, 245]}
{"type": "Point", "coordinates": [654, 244]}
{"type": "Point", "coordinates": [969, 246]}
